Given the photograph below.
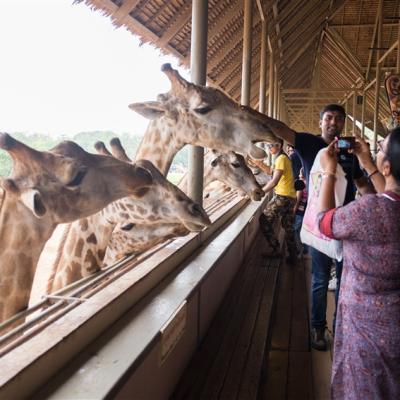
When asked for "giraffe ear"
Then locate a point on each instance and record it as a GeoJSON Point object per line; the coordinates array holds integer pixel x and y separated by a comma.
{"type": "Point", "coordinates": [32, 199]}
{"type": "Point", "coordinates": [149, 109]}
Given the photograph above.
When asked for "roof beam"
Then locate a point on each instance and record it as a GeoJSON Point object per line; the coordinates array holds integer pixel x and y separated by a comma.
{"type": "Point", "coordinates": [123, 11]}
{"type": "Point", "coordinates": [176, 27]}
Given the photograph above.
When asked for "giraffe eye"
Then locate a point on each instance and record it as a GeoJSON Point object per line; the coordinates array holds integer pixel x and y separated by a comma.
{"type": "Point", "coordinates": [235, 165]}
{"type": "Point", "coordinates": [78, 178]}
{"type": "Point", "coordinates": [127, 227]}
{"type": "Point", "coordinates": [203, 110]}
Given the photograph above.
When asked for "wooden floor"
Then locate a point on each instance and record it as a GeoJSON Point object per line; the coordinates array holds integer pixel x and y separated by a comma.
{"type": "Point", "coordinates": [258, 346]}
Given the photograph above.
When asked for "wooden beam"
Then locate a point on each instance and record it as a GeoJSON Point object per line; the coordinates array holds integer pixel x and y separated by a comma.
{"type": "Point", "coordinates": [123, 11]}
{"type": "Point", "coordinates": [176, 27]}
{"type": "Point", "coordinates": [338, 40]}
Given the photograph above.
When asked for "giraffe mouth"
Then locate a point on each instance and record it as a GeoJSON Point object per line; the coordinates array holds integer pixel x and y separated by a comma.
{"type": "Point", "coordinates": [195, 226]}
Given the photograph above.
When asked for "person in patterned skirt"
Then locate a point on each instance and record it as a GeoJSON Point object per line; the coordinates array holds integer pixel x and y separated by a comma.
{"type": "Point", "coordinates": [366, 361]}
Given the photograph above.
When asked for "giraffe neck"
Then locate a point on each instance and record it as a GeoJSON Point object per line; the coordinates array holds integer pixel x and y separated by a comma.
{"type": "Point", "coordinates": [160, 144]}
{"type": "Point", "coordinates": [81, 250]}
{"type": "Point", "coordinates": [21, 242]}
{"type": "Point", "coordinates": [208, 175]}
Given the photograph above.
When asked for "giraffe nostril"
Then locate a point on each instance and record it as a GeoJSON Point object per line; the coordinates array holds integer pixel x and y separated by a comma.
{"type": "Point", "coordinates": [196, 210]}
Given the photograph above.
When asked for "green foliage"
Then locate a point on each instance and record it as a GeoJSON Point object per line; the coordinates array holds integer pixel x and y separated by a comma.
{"type": "Point", "coordinates": [87, 141]}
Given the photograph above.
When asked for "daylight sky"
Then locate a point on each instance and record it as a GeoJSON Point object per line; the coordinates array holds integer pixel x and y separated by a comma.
{"type": "Point", "coordinates": [65, 69]}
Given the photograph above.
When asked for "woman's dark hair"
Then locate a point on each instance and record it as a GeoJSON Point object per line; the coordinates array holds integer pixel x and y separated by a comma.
{"type": "Point", "coordinates": [393, 153]}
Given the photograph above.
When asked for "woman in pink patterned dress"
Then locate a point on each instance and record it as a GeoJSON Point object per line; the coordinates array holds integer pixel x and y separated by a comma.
{"type": "Point", "coordinates": [366, 363]}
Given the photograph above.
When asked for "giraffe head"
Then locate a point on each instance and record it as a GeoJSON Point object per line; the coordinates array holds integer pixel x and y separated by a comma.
{"type": "Point", "coordinates": [231, 169]}
{"type": "Point", "coordinates": [162, 201]}
{"type": "Point", "coordinates": [67, 183]}
{"type": "Point", "coordinates": [216, 120]}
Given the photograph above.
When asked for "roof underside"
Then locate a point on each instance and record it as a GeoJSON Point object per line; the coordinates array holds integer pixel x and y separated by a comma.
{"type": "Point", "coordinates": [324, 49]}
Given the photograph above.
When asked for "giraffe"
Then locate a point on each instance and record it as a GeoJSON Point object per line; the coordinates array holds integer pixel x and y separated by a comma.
{"type": "Point", "coordinates": [46, 188]}
{"type": "Point", "coordinates": [129, 238]}
{"type": "Point", "coordinates": [231, 169]}
{"type": "Point", "coordinates": [198, 115]}
{"type": "Point", "coordinates": [82, 249]}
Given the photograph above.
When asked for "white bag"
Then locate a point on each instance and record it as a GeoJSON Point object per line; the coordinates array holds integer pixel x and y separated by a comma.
{"type": "Point", "coordinates": [310, 233]}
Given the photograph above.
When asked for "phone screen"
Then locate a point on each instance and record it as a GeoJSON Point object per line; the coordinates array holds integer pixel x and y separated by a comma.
{"type": "Point", "coordinates": [345, 143]}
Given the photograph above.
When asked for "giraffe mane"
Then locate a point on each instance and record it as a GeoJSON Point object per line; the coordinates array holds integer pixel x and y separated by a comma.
{"type": "Point", "coordinates": [54, 265]}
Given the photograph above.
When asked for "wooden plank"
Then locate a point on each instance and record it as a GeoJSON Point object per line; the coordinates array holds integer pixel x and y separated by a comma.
{"type": "Point", "coordinates": [217, 373]}
{"type": "Point", "coordinates": [300, 335]}
{"type": "Point", "coordinates": [274, 382]}
{"type": "Point", "coordinates": [300, 385]}
{"type": "Point", "coordinates": [250, 381]}
{"type": "Point", "coordinates": [193, 380]}
{"type": "Point", "coordinates": [238, 360]}
{"type": "Point", "coordinates": [282, 315]}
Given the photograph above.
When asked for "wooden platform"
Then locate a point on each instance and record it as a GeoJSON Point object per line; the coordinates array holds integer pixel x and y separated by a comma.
{"type": "Point", "coordinates": [258, 346]}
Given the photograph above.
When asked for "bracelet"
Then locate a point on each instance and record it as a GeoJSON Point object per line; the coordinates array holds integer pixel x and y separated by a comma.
{"type": "Point", "coordinates": [372, 173]}
{"type": "Point", "coordinates": [325, 174]}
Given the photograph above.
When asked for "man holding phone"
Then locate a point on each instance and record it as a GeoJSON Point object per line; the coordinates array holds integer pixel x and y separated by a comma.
{"type": "Point", "coordinates": [332, 119]}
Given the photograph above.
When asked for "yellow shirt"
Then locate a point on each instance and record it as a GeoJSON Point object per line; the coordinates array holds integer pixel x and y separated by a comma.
{"type": "Point", "coordinates": [285, 186]}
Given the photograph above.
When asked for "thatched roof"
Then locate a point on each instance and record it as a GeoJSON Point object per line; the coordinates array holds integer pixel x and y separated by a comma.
{"type": "Point", "coordinates": [320, 45]}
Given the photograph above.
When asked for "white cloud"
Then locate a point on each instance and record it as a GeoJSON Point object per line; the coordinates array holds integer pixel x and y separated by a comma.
{"type": "Point", "coordinates": [66, 69]}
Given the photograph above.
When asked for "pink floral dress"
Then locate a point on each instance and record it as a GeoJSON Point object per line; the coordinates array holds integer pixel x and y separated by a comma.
{"type": "Point", "coordinates": [366, 363]}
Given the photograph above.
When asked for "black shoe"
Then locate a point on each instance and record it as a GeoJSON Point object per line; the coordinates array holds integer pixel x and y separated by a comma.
{"type": "Point", "coordinates": [318, 340]}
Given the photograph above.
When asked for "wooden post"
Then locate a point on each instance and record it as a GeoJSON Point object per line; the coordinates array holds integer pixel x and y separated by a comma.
{"type": "Point", "coordinates": [354, 112]}
{"type": "Point", "coordinates": [275, 93]}
{"type": "Point", "coordinates": [346, 121]}
{"type": "Point", "coordinates": [364, 101]}
{"type": "Point", "coordinates": [263, 66]}
{"type": "Point", "coordinates": [271, 84]}
{"type": "Point", "coordinates": [398, 48]}
{"type": "Point", "coordinates": [246, 63]}
{"type": "Point", "coordinates": [377, 78]}
{"type": "Point", "coordinates": [198, 70]}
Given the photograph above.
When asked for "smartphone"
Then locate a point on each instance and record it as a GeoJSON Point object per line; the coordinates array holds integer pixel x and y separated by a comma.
{"type": "Point", "coordinates": [345, 143]}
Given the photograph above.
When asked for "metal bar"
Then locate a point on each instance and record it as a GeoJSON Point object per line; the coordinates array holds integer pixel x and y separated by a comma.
{"type": "Point", "coordinates": [198, 70]}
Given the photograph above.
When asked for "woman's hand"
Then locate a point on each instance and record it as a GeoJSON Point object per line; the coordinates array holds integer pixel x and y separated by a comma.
{"type": "Point", "coordinates": [328, 158]}
{"type": "Point", "coordinates": [363, 152]}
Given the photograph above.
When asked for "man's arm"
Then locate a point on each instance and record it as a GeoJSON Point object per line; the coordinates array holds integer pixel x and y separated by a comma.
{"type": "Point", "coordinates": [260, 164]}
{"type": "Point", "coordinates": [274, 181]}
{"type": "Point", "coordinates": [281, 130]}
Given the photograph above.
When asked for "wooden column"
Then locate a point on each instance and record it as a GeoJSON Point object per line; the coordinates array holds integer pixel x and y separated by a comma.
{"type": "Point", "coordinates": [364, 101]}
{"type": "Point", "coordinates": [246, 60]}
{"type": "Point", "coordinates": [346, 122]}
{"type": "Point", "coordinates": [377, 77]}
{"type": "Point", "coordinates": [198, 70]}
{"type": "Point", "coordinates": [275, 93]}
{"type": "Point", "coordinates": [271, 84]}
{"type": "Point", "coordinates": [354, 112]}
{"type": "Point", "coordinates": [263, 67]}
{"type": "Point", "coordinates": [398, 48]}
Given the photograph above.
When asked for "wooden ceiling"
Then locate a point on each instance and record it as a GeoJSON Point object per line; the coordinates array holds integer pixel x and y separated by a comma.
{"type": "Point", "coordinates": [325, 50]}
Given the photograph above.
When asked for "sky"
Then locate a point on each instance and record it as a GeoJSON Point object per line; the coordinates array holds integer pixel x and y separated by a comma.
{"type": "Point", "coordinates": [66, 69]}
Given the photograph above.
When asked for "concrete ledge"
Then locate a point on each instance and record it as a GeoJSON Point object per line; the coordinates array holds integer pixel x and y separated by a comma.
{"type": "Point", "coordinates": [126, 360]}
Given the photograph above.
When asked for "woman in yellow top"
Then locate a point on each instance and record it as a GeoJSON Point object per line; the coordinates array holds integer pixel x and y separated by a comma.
{"type": "Point", "coordinates": [281, 205]}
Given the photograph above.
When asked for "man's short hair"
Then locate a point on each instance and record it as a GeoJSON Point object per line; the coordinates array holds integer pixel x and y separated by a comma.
{"type": "Point", "coordinates": [333, 107]}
